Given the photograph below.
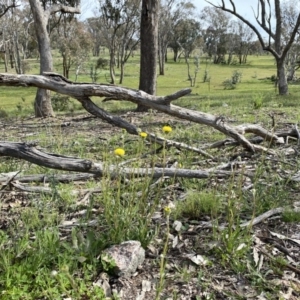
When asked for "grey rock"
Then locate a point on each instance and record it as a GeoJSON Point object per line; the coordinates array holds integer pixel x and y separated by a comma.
{"type": "Point", "coordinates": [123, 259]}
{"type": "Point", "coordinates": [103, 282]}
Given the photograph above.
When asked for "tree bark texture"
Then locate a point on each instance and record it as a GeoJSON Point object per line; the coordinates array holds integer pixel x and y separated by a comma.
{"type": "Point", "coordinates": [149, 47]}
{"type": "Point", "coordinates": [42, 104]}
{"type": "Point", "coordinates": [283, 88]}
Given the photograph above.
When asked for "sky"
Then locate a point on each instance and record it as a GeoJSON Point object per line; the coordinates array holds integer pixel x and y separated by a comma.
{"type": "Point", "coordinates": [243, 6]}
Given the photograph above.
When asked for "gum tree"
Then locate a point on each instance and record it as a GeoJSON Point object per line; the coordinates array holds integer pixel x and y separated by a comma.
{"type": "Point", "coordinates": [149, 48]}
{"type": "Point", "coordinates": [42, 105]}
{"type": "Point", "coordinates": [275, 43]}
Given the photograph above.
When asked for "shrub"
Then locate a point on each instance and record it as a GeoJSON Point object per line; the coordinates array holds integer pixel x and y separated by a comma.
{"type": "Point", "coordinates": [236, 77]}
{"type": "Point", "coordinates": [61, 103]}
{"type": "Point", "coordinates": [102, 63]}
{"type": "Point", "coordinates": [230, 84]}
{"type": "Point", "coordinates": [3, 114]}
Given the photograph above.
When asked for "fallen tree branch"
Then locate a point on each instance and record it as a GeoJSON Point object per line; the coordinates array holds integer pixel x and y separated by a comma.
{"type": "Point", "coordinates": [82, 92]}
{"type": "Point", "coordinates": [29, 153]}
{"type": "Point", "coordinates": [254, 221]}
{"type": "Point", "coordinates": [266, 215]}
{"type": "Point", "coordinates": [63, 178]}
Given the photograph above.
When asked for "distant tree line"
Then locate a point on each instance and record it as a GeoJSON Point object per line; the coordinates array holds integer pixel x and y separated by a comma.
{"type": "Point", "coordinates": [120, 28]}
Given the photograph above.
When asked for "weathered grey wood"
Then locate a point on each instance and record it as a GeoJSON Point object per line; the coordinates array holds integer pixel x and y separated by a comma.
{"type": "Point", "coordinates": [54, 161]}
{"type": "Point", "coordinates": [63, 178]}
{"type": "Point", "coordinates": [83, 91]}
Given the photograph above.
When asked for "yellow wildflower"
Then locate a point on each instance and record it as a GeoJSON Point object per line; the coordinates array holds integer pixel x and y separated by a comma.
{"type": "Point", "coordinates": [167, 210]}
{"type": "Point", "coordinates": [143, 134]}
{"type": "Point", "coordinates": [119, 152]}
{"type": "Point", "coordinates": [167, 129]}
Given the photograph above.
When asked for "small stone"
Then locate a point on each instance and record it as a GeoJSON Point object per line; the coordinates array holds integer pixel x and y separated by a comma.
{"type": "Point", "coordinates": [177, 225]}
{"type": "Point", "coordinates": [124, 258]}
{"type": "Point", "coordinates": [146, 286]}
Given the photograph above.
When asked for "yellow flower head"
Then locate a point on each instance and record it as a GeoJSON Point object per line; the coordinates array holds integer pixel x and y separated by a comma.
{"type": "Point", "coordinates": [119, 152]}
{"type": "Point", "coordinates": [167, 210]}
{"type": "Point", "coordinates": [143, 134]}
{"type": "Point", "coordinates": [167, 129]}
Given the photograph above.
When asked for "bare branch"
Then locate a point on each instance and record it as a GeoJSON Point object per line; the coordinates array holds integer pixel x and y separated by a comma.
{"type": "Point", "coordinates": [83, 91]}
{"type": "Point", "coordinates": [292, 37]}
{"type": "Point", "coordinates": [5, 9]}
{"type": "Point", "coordinates": [262, 24]}
{"type": "Point", "coordinates": [63, 9]}
{"type": "Point", "coordinates": [59, 162]}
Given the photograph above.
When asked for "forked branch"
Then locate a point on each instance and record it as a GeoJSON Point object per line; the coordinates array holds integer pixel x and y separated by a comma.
{"type": "Point", "coordinates": [83, 91]}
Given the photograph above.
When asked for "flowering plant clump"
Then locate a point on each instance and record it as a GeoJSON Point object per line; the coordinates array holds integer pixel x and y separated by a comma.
{"type": "Point", "coordinates": [167, 129]}
{"type": "Point", "coordinates": [119, 152]}
{"type": "Point", "coordinates": [143, 134]}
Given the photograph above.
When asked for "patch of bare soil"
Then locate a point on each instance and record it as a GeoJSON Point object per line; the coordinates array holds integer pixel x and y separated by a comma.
{"type": "Point", "coordinates": [197, 264]}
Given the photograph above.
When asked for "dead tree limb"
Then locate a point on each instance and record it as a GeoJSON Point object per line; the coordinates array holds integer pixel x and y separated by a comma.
{"type": "Point", "coordinates": [83, 91]}
{"type": "Point", "coordinates": [32, 154]}
{"type": "Point", "coordinates": [43, 178]}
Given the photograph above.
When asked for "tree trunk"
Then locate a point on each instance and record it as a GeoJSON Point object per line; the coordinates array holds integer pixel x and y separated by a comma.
{"type": "Point", "coordinates": [5, 59]}
{"type": "Point", "coordinates": [161, 61]}
{"type": "Point", "coordinates": [112, 66]}
{"type": "Point", "coordinates": [149, 47]}
{"type": "Point", "coordinates": [175, 55]}
{"type": "Point", "coordinates": [43, 103]}
{"type": "Point", "coordinates": [43, 107]}
{"type": "Point", "coordinates": [281, 77]}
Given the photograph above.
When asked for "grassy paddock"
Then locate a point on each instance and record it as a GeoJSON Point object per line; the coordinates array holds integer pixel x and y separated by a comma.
{"type": "Point", "coordinates": [41, 257]}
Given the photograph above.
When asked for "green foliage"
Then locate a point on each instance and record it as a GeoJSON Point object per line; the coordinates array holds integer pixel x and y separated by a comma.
{"type": "Point", "coordinates": [290, 216]}
{"type": "Point", "coordinates": [198, 204]}
{"type": "Point", "coordinates": [61, 103]}
{"type": "Point", "coordinates": [102, 63]}
{"type": "Point", "coordinates": [273, 78]}
{"type": "Point", "coordinates": [108, 263]}
{"type": "Point", "coordinates": [258, 100]}
{"type": "Point", "coordinates": [206, 76]}
{"type": "Point", "coordinates": [94, 74]}
{"type": "Point", "coordinates": [3, 114]}
{"type": "Point", "coordinates": [236, 77]}
{"type": "Point", "coordinates": [228, 84]}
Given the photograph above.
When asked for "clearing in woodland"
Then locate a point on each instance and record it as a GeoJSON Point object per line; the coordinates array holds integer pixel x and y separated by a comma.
{"type": "Point", "coordinates": [223, 223]}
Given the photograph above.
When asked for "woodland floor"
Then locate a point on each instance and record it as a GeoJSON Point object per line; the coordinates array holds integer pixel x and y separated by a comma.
{"type": "Point", "coordinates": [196, 266]}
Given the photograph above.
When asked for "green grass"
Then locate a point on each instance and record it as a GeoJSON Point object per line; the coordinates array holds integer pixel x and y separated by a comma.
{"type": "Point", "coordinates": [41, 260]}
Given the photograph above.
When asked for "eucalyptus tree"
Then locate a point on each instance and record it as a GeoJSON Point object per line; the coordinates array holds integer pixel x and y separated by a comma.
{"type": "Point", "coordinates": [73, 42]}
{"type": "Point", "coordinates": [129, 36]}
{"type": "Point", "coordinates": [186, 37]}
{"type": "Point", "coordinates": [119, 25]}
{"type": "Point", "coordinates": [243, 41]}
{"type": "Point", "coordinates": [172, 12]}
{"type": "Point", "coordinates": [267, 14]}
{"type": "Point", "coordinates": [94, 28]}
{"type": "Point", "coordinates": [14, 27]}
{"type": "Point", "coordinates": [41, 12]}
{"type": "Point", "coordinates": [215, 34]}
